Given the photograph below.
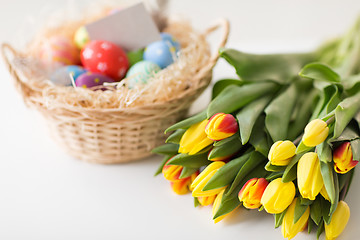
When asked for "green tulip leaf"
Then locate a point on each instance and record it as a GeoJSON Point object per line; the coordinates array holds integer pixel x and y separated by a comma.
{"type": "Point", "coordinates": [278, 113]}
{"type": "Point", "coordinates": [196, 202]}
{"type": "Point", "coordinates": [319, 71]}
{"type": "Point", "coordinates": [252, 163]}
{"type": "Point", "coordinates": [278, 67]}
{"type": "Point", "coordinates": [299, 210]}
{"type": "Point", "coordinates": [248, 116]}
{"type": "Point", "coordinates": [220, 85]}
{"type": "Point", "coordinates": [344, 112]}
{"type": "Point", "coordinates": [279, 218]}
{"type": "Point", "coordinates": [235, 97]}
{"type": "Point", "coordinates": [355, 147]}
{"type": "Point", "coordinates": [162, 164]}
{"type": "Point", "coordinates": [325, 210]}
{"type": "Point", "coordinates": [302, 148]}
{"type": "Point", "coordinates": [310, 225]}
{"type": "Point", "coordinates": [290, 172]}
{"type": "Point", "coordinates": [187, 172]}
{"type": "Point", "coordinates": [227, 173]}
{"type": "Point", "coordinates": [305, 201]}
{"type": "Point", "coordinates": [176, 136]}
{"type": "Point", "coordinates": [303, 115]}
{"type": "Point", "coordinates": [324, 152]}
{"type": "Point", "coordinates": [320, 229]}
{"type": "Point", "coordinates": [326, 169]}
{"type": "Point", "coordinates": [230, 200]}
{"type": "Point", "coordinates": [274, 175]}
{"type": "Point", "coordinates": [330, 98]}
{"type": "Point", "coordinates": [315, 211]}
{"type": "Point", "coordinates": [185, 124]}
{"type": "Point", "coordinates": [226, 140]}
{"type": "Point", "coordinates": [166, 149]}
{"type": "Point", "coordinates": [190, 161]}
{"type": "Point", "coordinates": [259, 138]}
{"type": "Point", "coordinates": [352, 84]}
{"type": "Point", "coordinates": [273, 168]}
{"type": "Point", "coordinates": [336, 201]}
{"type": "Point", "coordinates": [226, 150]}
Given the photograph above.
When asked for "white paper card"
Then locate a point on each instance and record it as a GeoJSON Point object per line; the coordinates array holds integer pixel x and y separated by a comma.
{"type": "Point", "coordinates": [130, 28]}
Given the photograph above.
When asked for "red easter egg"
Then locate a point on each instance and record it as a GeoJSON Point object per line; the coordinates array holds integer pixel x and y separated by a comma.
{"type": "Point", "coordinates": [106, 58]}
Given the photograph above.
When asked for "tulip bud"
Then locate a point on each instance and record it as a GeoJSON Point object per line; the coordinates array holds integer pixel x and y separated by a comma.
{"type": "Point", "coordinates": [338, 221]}
{"type": "Point", "coordinates": [181, 186]}
{"type": "Point", "coordinates": [206, 201]}
{"type": "Point", "coordinates": [309, 177]}
{"type": "Point", "coordinates": [221, 126]}
{"type": "Point", "coordinates": [281, 152]}
{"type": "Point", "coordinates": [315, 133]}
{"type": "Point", "coordinates": [343, 158]}
{"type": "Point", "coordinates": [289, 229]}
{"type": "Point", "coordinates": [278, 196]}
{"type": "Point", "coordinates": [251, 193]}
{"type": "Point", "coordinates": [194, 139]}
{"type": "Point", "coordinates": [216, 206]}
{"type": "Point", "coordinates": [172, 172]}
{"type": "Point", "coordinates": [203, 178]}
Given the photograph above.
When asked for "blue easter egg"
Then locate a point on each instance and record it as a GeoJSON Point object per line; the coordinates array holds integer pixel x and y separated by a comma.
{"type": "Point", "coordinates": [162, 53]}
{"type": "Point", "coordinates": [62, 75]}
{"type": "Point", "coordinates": [140, 72]}
{"type": "Point", "coordinates": [168, 37]}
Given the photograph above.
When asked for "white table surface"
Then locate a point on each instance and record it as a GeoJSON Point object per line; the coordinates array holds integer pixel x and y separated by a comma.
{"type": "Point", "coordinates": [46, 194]}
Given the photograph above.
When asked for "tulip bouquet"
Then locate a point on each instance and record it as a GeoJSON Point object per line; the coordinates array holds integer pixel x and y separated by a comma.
{"type": "Point", "coordinates": [283, 138]}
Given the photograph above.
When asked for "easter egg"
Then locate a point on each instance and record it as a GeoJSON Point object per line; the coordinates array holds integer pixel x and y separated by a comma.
{"type": "Point", "coordinates": [59, 51]}
{"type": "Point", "coordinates": [135, 56]}
{"type": "Point", "coordinates": [89, 79]}
{"type": "Point", "coordinates": [169, 38]}
{"type": "Point", "coordinates": [141, 72]}
{"type": "Point", "coordinates": [62, 75]}
{"type": "Point", "coordinates": [81, 37]}
{"type": "Point", "coordinates": [106, 58]}
{"type": "Point", "coordinates": [161, 53]}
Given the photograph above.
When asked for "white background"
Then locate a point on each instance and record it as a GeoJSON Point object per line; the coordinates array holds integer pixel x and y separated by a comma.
{"type": "Point", "coordinates": [45, 194]}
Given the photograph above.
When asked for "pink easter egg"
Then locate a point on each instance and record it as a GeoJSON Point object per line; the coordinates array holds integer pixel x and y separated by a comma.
{"type": "Point", "coordinates": [59, 51]}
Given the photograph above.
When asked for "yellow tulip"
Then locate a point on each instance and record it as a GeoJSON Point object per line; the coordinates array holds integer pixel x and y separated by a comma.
{"type": "Point", "coordinates": [278, 196]}
{"type": "Point", "coordinates": [309, 177]}
{"type": "Point", "coordinates": [315, 133]}
{"type": "Point", "coordinates": [180, 186]}
{"type": "Point", "coordinates": [338, 221]}
{"type": "Point", "coordinates": [216, 206]}
{"type": "Point", "coordinates": [281, 152]}
{"type": "Point", "coordinates": [195, 139]}
{"type": "Point", "coordinates": [343, 158]}
{"type": "Point", "coordinates": [221, 126]}
{"type": "Point", "coordinates": [206, 201]}
{"type": "Point", "coordinates": [289, 229]}
{"type": "Point", "coordinates": [203, 178]}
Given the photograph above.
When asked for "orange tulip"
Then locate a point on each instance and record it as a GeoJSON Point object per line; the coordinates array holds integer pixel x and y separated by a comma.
{"type": "Point", "coordinates": [171, 172]}
{"type": "Point", "coordinates": [343, 158]}
{"type": "Point", "coordinates": [221, 126]}
{"type": "Point", "coordinates": [251, 193]}
{"type": "Point", "coordinates": [206, 201]}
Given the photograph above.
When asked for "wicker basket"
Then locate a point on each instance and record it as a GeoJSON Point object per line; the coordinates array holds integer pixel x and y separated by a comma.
{"type": "Point", "coordinates": [117, 135]}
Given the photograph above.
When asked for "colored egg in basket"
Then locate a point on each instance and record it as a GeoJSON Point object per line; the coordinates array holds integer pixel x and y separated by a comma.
{"type": "Point", "coordinates": [58, 51]}
{"type": "Point", "coordinates": [141, 72]}
{"type": "Point", "coordinates": [161, 52]}
{"type": "Point", "coordinates": [105, 57]}
{"type": "Point", "coordinates": [89, 80]}
{"type": "Point", "coordinates": [81, 37]}
{"type": "Point", "coordinates": [63, 75]}
{"type": "Point", "coordinates": [169, 38]}
{"type": "Point", "coordinates": [135, 56]}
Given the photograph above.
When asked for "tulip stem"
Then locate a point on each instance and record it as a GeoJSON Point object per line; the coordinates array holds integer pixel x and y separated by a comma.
{"type": "Point", "coordinates": [297, 140]}
{"type": "Point", "coordinates": [330, 120]}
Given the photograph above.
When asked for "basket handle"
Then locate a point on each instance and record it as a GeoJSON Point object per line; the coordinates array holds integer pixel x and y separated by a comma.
{"type": "Point", "coordinates": [7, 52]}
{"type": "Point", "coordinates": [224, 24]}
